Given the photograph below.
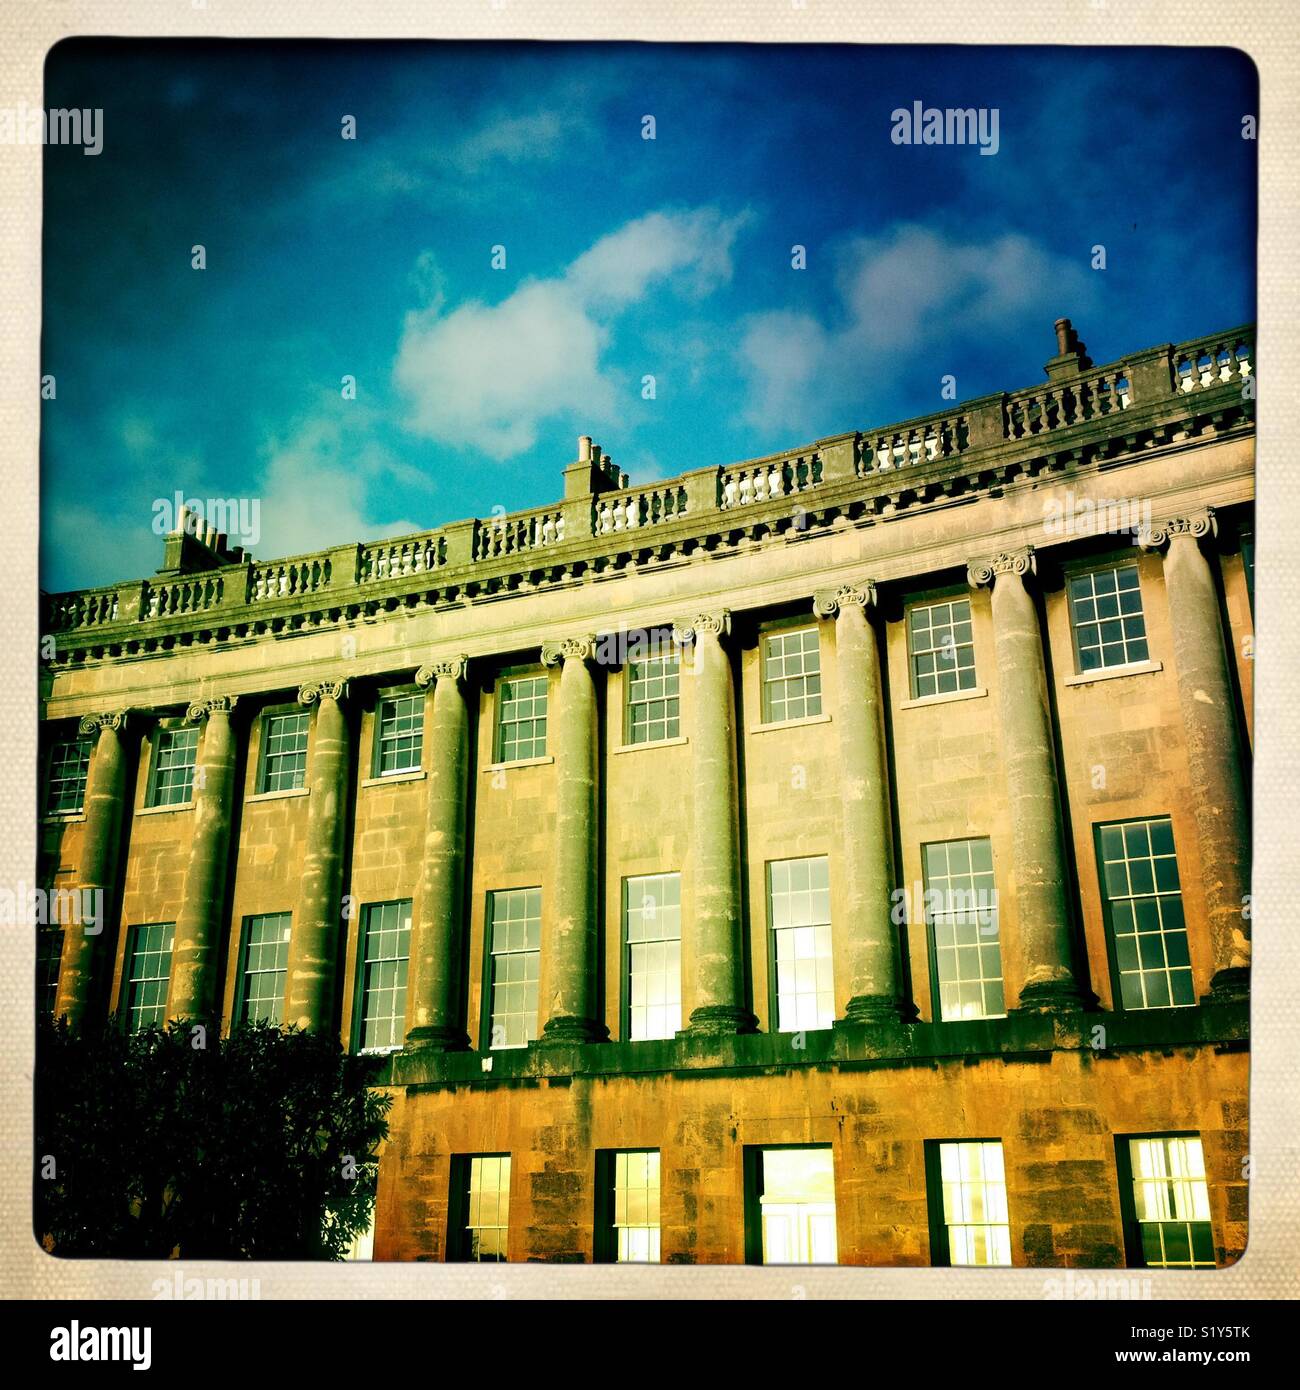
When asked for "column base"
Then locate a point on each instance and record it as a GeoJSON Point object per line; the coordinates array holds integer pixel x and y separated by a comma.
{"type": "Point", "coordinates": [1050, 996]}
{"type": "Point", "coordinates": [433, 1038]}
{"type": "Point", "coordinates": [720, 1020]}
{"type": "Point", "coordinates": [868, 1009]}
{"type": "Point", "coordinates": [1229, 986]}
{"type": "Point", "coordinates": [567, 1030]}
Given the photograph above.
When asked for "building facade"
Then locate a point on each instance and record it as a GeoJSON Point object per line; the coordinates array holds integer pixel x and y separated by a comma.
{"type": "Point", "coordinates": [839, 856]}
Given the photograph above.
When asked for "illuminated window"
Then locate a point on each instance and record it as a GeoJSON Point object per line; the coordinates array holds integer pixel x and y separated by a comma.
{"type": "Point", "coordinates": [148, 972]}
{"type": "Point", "coordinates": [65, 782]}
{"type": "Point", "coordinates": [284, 752]}
{"type": "Point", "coordinates": [653, 707]}
{"type": "Point", "coordinates": [401, 734]}
{"type": "Point", "coordinates": [940, 648]}
{"type": "Point", "coordinates": [961, 910]}
{"type": "Point", "coordinates": [172, 778]}
{"type": "Point", "coordinates": [1106, 615]}
{"type": "Point", "coordinates": [385, 951]}
{"type": "Point", "coordinates": [481, 1208]}
{"type": "Point", "coordinates": [628, 1222]}
{"type": "Point", "coordinates": [521, 719]}
{"type": "Point", "coordinates": [792, 1199]}
{"type": "Point", "coordinates": [652, 923]}
{"type": "Point", "coordinates": [969, 1224]}
{"type": "Point", "coordinates": [1144, 908]}
{"type": "Point", "coordinates": [1171, 1202]}
{"type": "Point", "coordinates": [792, 675]}
{"type": "Point", "coordinates": [799, 910]}
{"type": "Point", "coordinates": [266, 966]}
{"type": "Point", "coordinates": [514, 957]}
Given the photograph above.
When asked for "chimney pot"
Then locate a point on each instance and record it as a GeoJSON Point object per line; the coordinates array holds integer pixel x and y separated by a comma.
{"type": "Point", "coordinates": [584, 448]}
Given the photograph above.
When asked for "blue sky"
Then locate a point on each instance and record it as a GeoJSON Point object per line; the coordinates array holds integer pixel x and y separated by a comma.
{"type": "Point", "coordinates": [625, 257]}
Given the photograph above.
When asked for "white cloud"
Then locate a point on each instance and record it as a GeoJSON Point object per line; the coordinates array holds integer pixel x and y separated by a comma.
{"type": "Point", "coordinates": [486, 376]}
{"type": "Point", "coordinates": [898, 297]}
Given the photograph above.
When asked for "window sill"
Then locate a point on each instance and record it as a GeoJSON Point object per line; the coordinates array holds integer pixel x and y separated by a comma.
{"type": "Point", "coordinates": [415, 774]}
{"type": "Point", "coordinates": [278, 795]}
{"type": "Point", "coordinates": [790, 724]}
{"type": "Point", "coordinates": [658, 743]}
{"type": "Point", "coordinates": [523, 762]}
{"type": "Point", "coordinates": [164, 810]}
{"type": "Point", "coordinates": [62, 817]}
{"type": "Point", "coordinates": [948, 697]}
{"type": "Point", "coordinates": [1110, 673]}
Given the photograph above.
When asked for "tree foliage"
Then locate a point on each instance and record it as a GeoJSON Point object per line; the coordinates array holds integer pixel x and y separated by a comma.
{"type": "Point", "coordinates": [167, 1142]}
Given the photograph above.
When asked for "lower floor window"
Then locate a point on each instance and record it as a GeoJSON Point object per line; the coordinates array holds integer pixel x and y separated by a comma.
{"type": "Point", "coordinates": [1171, 1202]}
{"type": "Point", "coordinates": [481, 1201]}
{"type": "Point", "coordinates": [968, 1195]}
{"type": "Point", "coordinates": [628, 1217]}
{"type": "Point", "coordinates": [385, 951]}
{"type": "Point", "coordinates": [793, 1198]}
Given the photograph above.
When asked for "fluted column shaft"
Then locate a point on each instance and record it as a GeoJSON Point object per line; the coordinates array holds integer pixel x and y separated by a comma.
{"type": "Point", "coordinates": [1214, 751]}
{"type": "Point", "coordinates": [199, 921]}
{"type": "Point", "coordinates": [80, 989]}
{"type": "Point", "coordinates": [1037, 832]}
{"type": "Point", "coordinates": [313, 943]}
{"type": "Point", "coordinates": [439, 919]}
{"type": "Point", "coordinates": [866, 851]}
{"type": "Point", "coordinates": [715, 838]}
{"type": "Point", "coordinates": [569, 958]}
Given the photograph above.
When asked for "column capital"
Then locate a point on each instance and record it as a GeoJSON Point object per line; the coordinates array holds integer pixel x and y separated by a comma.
{"type": "Point", "coordinates": [323, 690]}
{"type": "Point", "coordinates": [1018, 562]}
{"type": "Point", "coordinates": [710, 624]}
{"type": "Point", "coordinates": [94, 723]}
{"type": "Point", "coordinates": [568, 649]}
{"type": "Point", "coordinates": [451, 668]}
{"type": "Point", "coordinates": [828, 602]}
{"type": "Point", "coordinates": [214, 704]}
{"type": "Point", "coordinates": [1197, 524]}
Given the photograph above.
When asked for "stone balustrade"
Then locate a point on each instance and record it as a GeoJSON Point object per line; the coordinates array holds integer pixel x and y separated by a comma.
{"type": "Point", "coordinates": [1161, 392]}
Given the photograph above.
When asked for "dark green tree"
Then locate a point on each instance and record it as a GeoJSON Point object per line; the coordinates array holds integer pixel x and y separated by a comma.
{"type": "Point", "coordinates": [260, 1145]}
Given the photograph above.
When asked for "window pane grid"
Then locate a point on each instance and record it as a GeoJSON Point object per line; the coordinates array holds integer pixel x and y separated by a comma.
{"type": "Point", "coordinates": [797, 1206]}
{"type": "Point", "coordinates": [515, 940]}
{"type": "Point", "coordinates": [942, 648]}
{"type": "Point", "coordinates": [148, 971]}
{"type": "Point", "coordinates": [1172, 1201]}
{"type": "Point", "coordinates": [49, 953]}
{"type": "Point", "coordinates": [385, 951]}
{"type": "Point", "coordinates": [266, 965]}
{"type": "Point", "coordinates": [401, 734]}
{"type": "Point", "coordinates": [961, 912]}
{"type": "Point", "coordinates": [653, 705]}
{"type": "Point", "coordinates": [173, 773]}
{"type": "Point", "coordinates": [1106, 615]}
{"type": "Point", "coordinates": [521, 719]}
{"type": "Point", "coordinates": [65, 787]}
{"type": "Point", "coordinates": [792, 681]}
{"type": "Point", "coordinates": [975, 1203]}
{"type": "Point", "coordinates": [284, 761]}
{"type": "Point", "coordinates": [487, 1222]}
{"type": "Point", "coordinates": [652, 920]}
{"type": "Point", "coordinates": [636, 1206]}
{"type": "Point", "coordinates": [799, 909]}
{"type": "Point", "coordinates": [1139, 879]}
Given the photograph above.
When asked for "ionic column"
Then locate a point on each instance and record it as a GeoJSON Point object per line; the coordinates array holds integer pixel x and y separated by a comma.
{"type": "Point", "coordinates": [569, 958]}
{"type": "Point", "coordinates": [715, 837]}
{"type": "Point", "coordinates": [1038, 866]}
{"type": "Point", "coordinates": [313, 944]}
{"type": "Point", "coordinates": [80, 989]}
{"type": "Point", "coordinates": [439, 917]}
{"type": "Point", "coordinates": [1214, 752]}
{"type": "Point", "coordinates": [199, 921]}
{"type": "Point", "coordinates": [866, 849]}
